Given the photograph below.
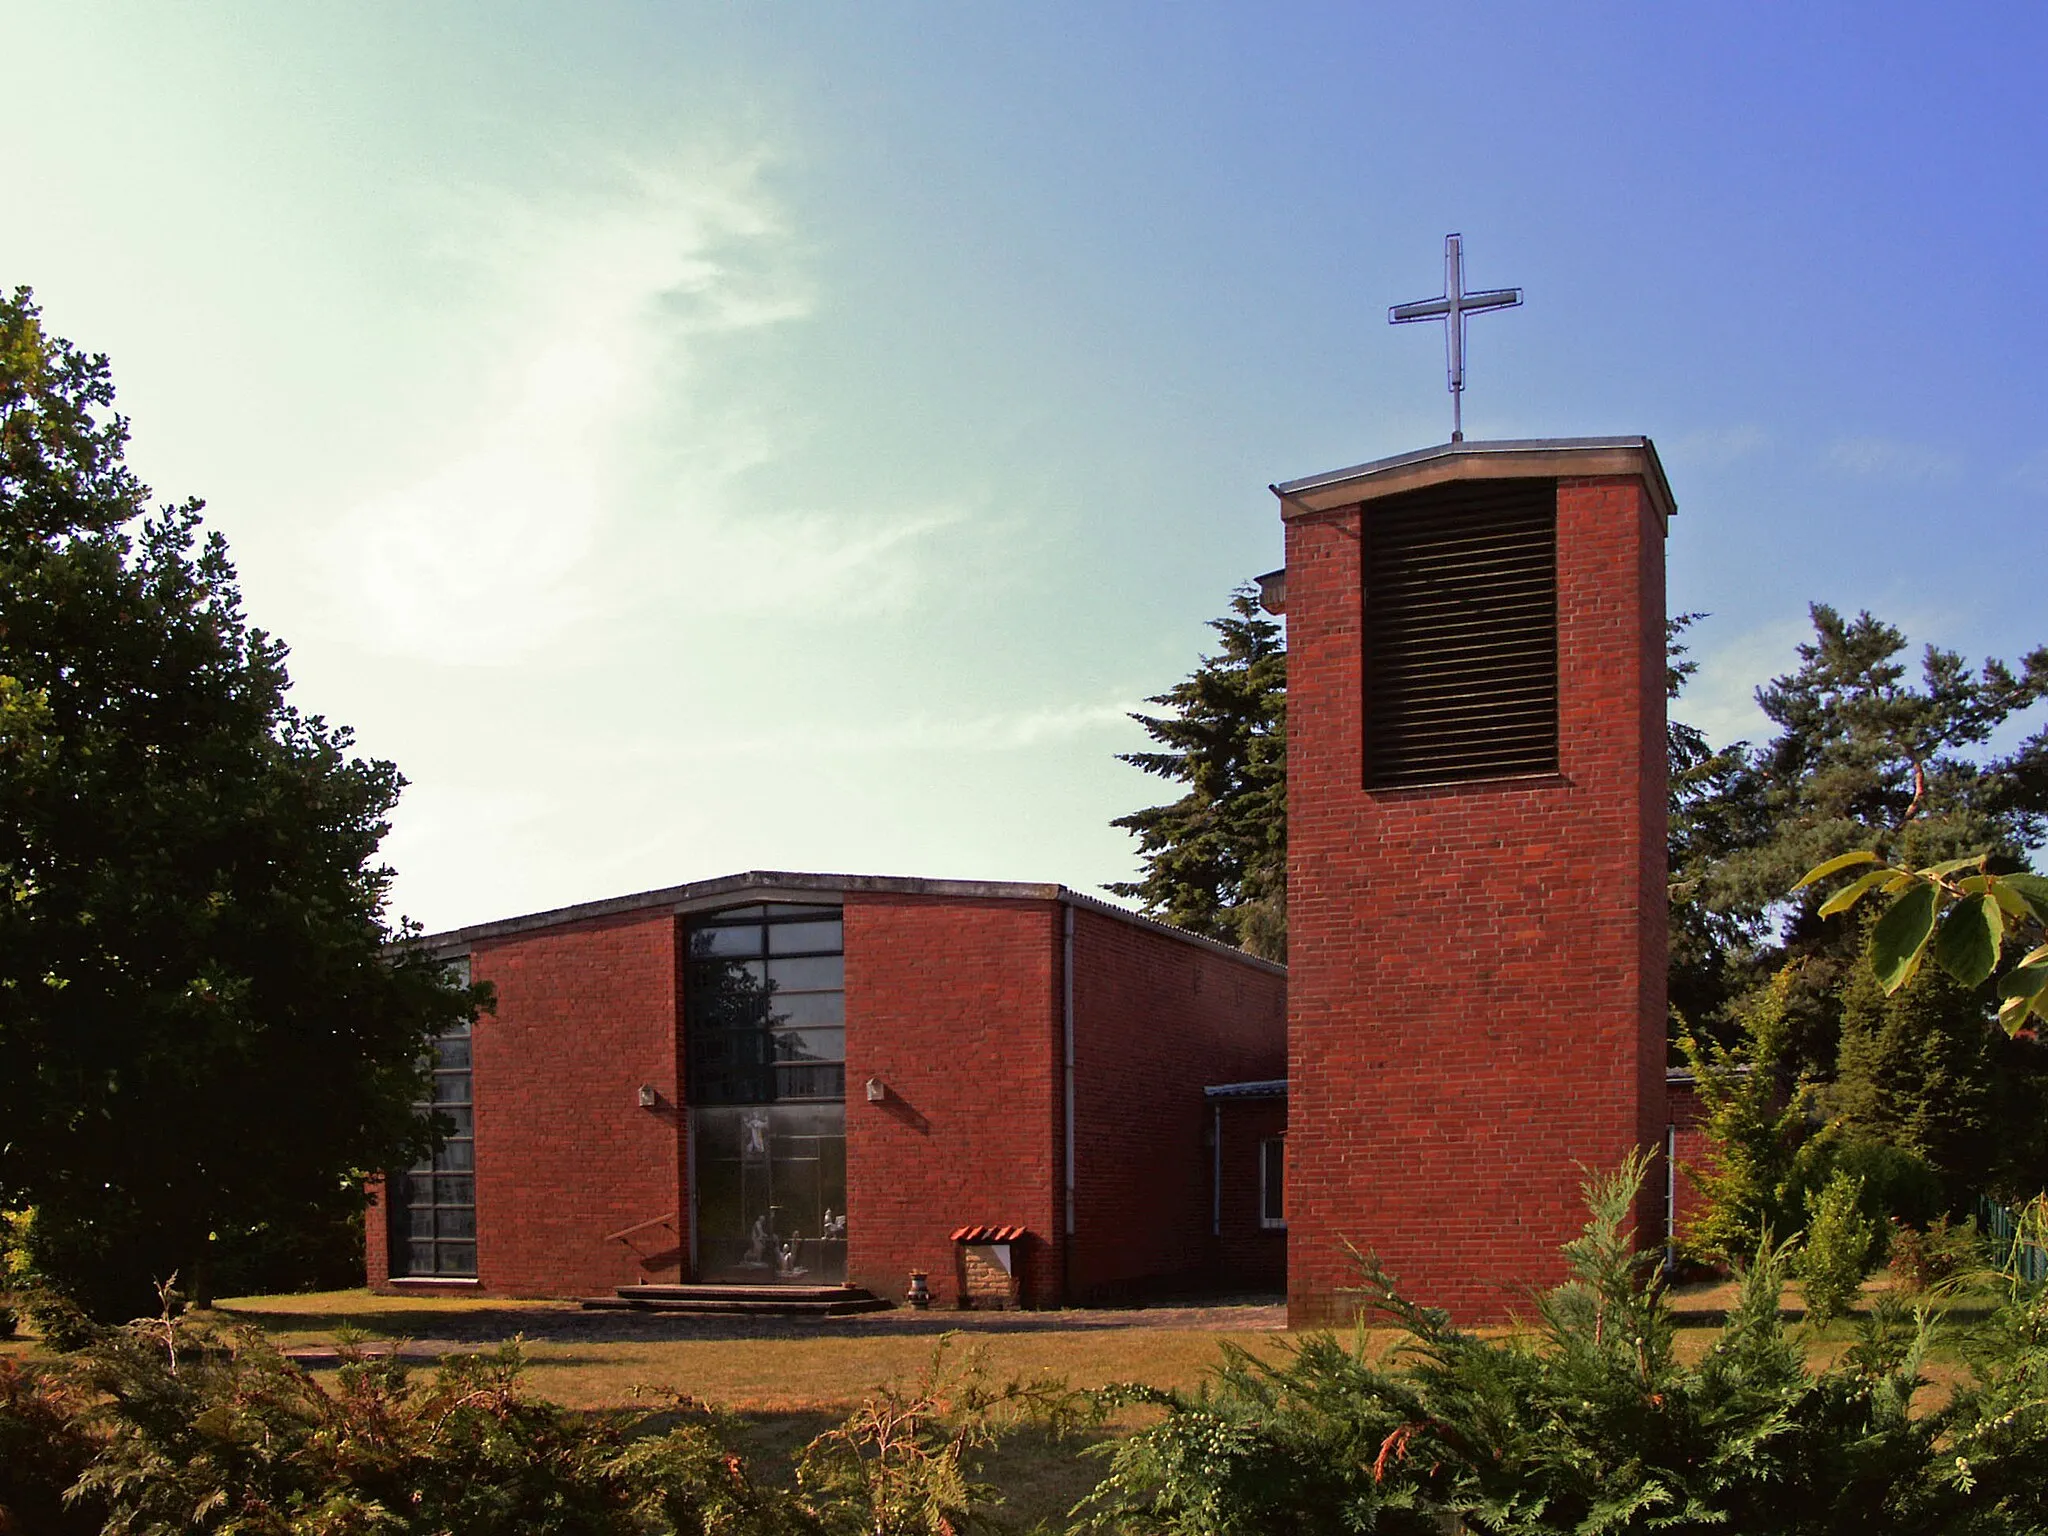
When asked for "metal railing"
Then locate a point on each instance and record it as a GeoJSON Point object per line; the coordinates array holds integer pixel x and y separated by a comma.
{"type": "Point", "coordinates": [2018, 1239]}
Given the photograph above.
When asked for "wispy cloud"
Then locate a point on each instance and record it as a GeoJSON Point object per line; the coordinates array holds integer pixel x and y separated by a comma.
{"type": "Point", "coordinates": [1720, 699]}
{"type": "Point", "coordinates": [2031, 473]}
{"type": "Point", "coordinates": [1717, 447]}
{"type": "Point", "coordinates": [1886, 458]}
{"type": "Point", "coordinates": [597, 476]}
{"type": "Point", "coordinates": [1009, 730]}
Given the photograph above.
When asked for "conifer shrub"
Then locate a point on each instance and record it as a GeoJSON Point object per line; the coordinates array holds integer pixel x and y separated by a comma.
{"type": "Point", "coordinates": [1588, 1421]}
{"type": "Point", "coordinates": [1840, 1245]}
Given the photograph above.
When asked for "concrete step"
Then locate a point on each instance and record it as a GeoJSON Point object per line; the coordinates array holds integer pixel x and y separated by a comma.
{"type": "Point", "coordinates": [741, 1300]}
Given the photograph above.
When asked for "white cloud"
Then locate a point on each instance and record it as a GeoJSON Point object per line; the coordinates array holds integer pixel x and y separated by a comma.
{"type": "Point", "coordinates": [1884, 458]}
{"type": "Point", "coordinates": [1009, 730]}
{"type": "Point", "coordinates": [1720, 699]}
{"type": "Point", "coordinates": [1717, 447]}
{"type": "Point", "coordinates": [598, 476]}
{"type": "Point", "coordinates": [2031, 473]}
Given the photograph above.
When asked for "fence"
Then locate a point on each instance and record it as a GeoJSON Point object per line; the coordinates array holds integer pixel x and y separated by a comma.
{"type": "Point", "coordinates": [2019, 1239]}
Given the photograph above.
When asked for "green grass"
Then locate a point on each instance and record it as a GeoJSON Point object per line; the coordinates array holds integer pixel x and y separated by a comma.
{"type": "Point", "coordinates": [609, 1359]}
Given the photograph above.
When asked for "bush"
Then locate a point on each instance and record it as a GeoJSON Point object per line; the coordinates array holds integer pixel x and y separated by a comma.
{"type": "Point", "coordinates": [206, 1427]}
{"type": "Point", "coordinates": [190, 1423]}
{"type": "Point", "coordinates": [900, 1464]}
{"type": "Point", "coordinates": [1589, 1421]}
{"type": "Point", "coordinates": [1841, 1243]}
{"type": "Point", "coordinates": [1945, 1251]}
{"type": "Point", "coordinates": [45, 1446]}
{"type": "Point", "coordinates": [1898, 1184]}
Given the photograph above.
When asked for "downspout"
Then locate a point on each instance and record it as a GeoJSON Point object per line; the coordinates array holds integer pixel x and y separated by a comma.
{"type": "Point", "coordinates": [1067, 1088]}
{"type": "Point", "coordinates": [1670, 1197]}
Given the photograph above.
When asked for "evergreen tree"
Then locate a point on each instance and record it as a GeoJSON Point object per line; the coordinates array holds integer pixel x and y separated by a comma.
{"type": "Point", "coordinates": [1862, 759]}
{"type": "Point", "coordinates": [1215, 860]}
{"type": "Point", "coordinates": [202, 1032]}
{"type": "Point", "coordinates": [1712, 812]}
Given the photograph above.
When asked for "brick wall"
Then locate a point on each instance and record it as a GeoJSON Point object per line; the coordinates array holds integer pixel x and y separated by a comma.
{"type": "Point", "coordinates": [1477, 971]}
{"type": "Point", "coordinates": [955, 1006]}
{"type": "Point", "coordinates": [1156, 1020]}
{"type": "Point", "coordinates": [586, 1014]}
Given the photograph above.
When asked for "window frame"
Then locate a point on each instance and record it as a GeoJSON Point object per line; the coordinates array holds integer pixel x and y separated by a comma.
{"type": "Point", "coordinates": [1270, 1149]}
{"type": "Point", "coordinates": [454, 1159]}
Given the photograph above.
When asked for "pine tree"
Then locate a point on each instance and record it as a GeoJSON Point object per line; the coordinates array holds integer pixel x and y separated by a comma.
{"type": "Point", "coordinates": [1215, 860]}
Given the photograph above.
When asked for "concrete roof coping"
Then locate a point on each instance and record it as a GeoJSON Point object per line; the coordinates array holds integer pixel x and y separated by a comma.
{"type": "Point", "coordinates": [1270, 1088]}
{"type": "Point", "coordinates": [763, 885]}
{"type": "Point", "coordinates": [1509, 458]}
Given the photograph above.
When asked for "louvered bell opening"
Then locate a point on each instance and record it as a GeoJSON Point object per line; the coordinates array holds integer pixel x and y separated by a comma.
{"type": "Point", "coordinates": [1461, 633]}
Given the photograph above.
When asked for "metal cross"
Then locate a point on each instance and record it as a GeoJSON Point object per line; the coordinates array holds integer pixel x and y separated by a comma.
{"type": "Point", "coordinates": [1452, 309]}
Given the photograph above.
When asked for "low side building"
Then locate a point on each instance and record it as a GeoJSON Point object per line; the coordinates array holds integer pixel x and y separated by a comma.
{"type": "Point", "coordinates": [806, 1079]}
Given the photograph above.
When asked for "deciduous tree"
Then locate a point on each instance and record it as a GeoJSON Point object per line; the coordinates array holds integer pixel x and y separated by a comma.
{"type": "Point", "coordinates": [203, 1031]}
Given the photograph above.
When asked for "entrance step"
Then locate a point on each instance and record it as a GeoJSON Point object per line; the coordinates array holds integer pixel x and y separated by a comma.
{"type": "Point", "coordinates": [742, 1300]}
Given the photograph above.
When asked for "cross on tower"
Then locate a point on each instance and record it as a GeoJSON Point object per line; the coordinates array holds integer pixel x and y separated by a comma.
{"type": "Point", "coordinates": [1452, 309]}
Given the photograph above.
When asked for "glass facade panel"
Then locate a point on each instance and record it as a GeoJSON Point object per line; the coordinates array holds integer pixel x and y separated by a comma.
{"type": "Point", "coordinates": [433, 1204]}
{"type": "Point", "coordinates": [764, 1014]}
{"type": "Point", "coordinates": [814, 973]}
{"type": "Point", "coordinates": [809, 1008]}
{"type": "Point", "coordinates": [810, 1044]}
{"type": "Point", "coordinates": [803, 938]}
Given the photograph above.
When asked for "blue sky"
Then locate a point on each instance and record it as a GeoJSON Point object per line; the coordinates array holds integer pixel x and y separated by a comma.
{"type": "Point", "coordinates": [691, 438]}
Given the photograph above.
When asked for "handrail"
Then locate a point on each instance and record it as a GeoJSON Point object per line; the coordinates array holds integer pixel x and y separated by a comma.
{"type": "Point", "coordinates": [623, 1233]}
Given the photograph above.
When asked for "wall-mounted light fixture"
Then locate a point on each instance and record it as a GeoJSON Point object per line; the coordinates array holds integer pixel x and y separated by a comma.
{"type": "Point", "coordinates": [649, 1096]}
{"type": "Point", "coordinates": [877, 1090]}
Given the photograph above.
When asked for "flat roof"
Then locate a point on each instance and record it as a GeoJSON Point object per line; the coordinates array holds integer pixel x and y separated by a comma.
{"type": "Point", "coordinates": [1506, 458]}
{"type": "Point", "coordinates": [788, 885]}
{"type": "Point", "coordinates": [1267, 1088]}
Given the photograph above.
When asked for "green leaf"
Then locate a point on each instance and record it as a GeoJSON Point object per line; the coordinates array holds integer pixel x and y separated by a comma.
{"type": "Point", "coordinates": [1834, 866]}
{"type": "Point", "coordinates": [2034, 889]}
{"type": "Point", "coordinates": [1901, 934]}
{"type": "Point", "coordinates": [2013, 1012]}
{"type": "Point", "coordinates": [2009, 900]}
{"type": "Point", "coordinates": [1950, 866]}
{"type": "Point", "coordinates": [2023, 981]}
{"type": "Point", "coordinates": [1852, 893]}
{"type": "Point", "coordinates": [1967, 945]}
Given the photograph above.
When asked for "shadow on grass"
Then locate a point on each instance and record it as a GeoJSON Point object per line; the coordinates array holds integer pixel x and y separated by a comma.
{"type": "Point", "coordinates": [566, 1322]}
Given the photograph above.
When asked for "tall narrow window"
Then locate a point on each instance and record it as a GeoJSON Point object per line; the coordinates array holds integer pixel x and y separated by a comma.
{"type": "Point", "coordinates": [433, 1203]}
{"type": "Point", "coordinates": [1273, 1182]}
{"type": "Point", "coordinates": [764, 1012]}
{"type": "Point", "coordinates": [1461, 633]}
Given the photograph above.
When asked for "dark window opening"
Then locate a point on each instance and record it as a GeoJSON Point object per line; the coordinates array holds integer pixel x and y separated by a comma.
{"type": "Point", "coordinates": [1273, 1182]}
{"type": "Point", "coordinates": [1461, 633]}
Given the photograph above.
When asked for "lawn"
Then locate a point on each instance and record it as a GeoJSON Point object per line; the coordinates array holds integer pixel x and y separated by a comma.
{"type": "Point", "coordinates": [790, 1380]}
{"type": "Point", "coordinates": [766, 1365]}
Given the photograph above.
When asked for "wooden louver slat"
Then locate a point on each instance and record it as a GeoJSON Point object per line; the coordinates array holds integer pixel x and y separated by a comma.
{"type": "Point", "coordinates": [1461, 633]}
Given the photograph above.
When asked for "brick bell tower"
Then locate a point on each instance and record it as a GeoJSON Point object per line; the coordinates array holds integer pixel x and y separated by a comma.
{"type": "Point", "coordinates": [1476, 880]}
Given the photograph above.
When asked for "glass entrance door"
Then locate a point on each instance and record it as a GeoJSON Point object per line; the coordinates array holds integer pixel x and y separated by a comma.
{"type": "Point", "coordinates": [764, 1018]}
{"type": "Point", "coordinates": [771, 1194]}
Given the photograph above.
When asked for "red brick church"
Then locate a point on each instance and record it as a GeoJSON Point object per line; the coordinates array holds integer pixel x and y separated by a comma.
{"type": "Point", "coordinates": [1031, 1097]}
{"type": "Point", "coordinates": [805, 1080]}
